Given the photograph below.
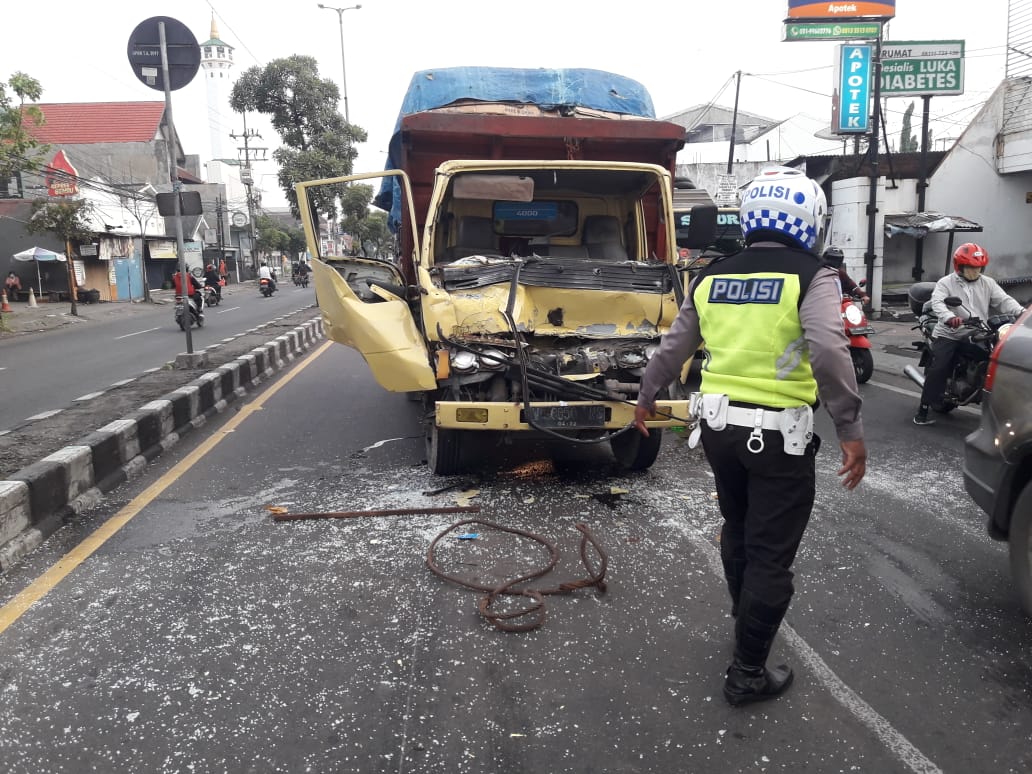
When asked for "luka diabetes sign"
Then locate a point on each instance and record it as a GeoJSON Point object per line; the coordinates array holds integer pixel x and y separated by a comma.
{"type": "Point", "coordinates": [922, 68]}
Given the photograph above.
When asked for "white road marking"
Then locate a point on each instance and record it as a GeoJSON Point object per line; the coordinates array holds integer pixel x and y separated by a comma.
{"type": "Point", "coordinates": [128, 335]}
{"type": "Point", "coordinates": [882, 729]}
{"type": "Point", "coordinates": [975, 412]}
{"type": "Point", "coordinates": [230, 309]}
{"type": "Point", "coordinates": [88, 396]}
{"type": "Point", "coordinates": [123, 382]}
{"type": "Point", "coordinates": [44, 415]}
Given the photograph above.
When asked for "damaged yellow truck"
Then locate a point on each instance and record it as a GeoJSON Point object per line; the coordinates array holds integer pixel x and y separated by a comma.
{"type": "Point", "coordinates": [536, 269]}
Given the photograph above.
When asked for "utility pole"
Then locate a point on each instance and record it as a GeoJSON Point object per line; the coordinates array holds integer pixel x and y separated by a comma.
{"type": "Point", "coordinates": [219, 235]}
{"type": "Point", "coordinates": [734, 124]}
{"type": "Point", "coordinates": [247, 178]}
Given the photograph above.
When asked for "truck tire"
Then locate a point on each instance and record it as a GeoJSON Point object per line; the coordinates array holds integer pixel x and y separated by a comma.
{"type": "Point", "coordinates": [633, 451]}
{"type": "Point", "coordinates": [442, 450]}
{"type": "Point", "coordinates": [1020, 543]}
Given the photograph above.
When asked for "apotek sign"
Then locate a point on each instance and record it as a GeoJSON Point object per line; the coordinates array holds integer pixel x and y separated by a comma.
{"type": "Point", "coordinates": [922, 68]}
{"type": "Point", "coordinates": [858, 9]}
{"type": "Point", "coordinates": [850, 109]}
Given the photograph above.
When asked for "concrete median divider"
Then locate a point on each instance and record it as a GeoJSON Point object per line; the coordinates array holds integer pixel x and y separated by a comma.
{"type": "Point", "coordinates": [38, 499]}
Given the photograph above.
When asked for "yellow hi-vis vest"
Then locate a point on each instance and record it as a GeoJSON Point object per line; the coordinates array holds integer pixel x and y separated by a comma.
{"type": "Point", "coordinates": [748, 307]}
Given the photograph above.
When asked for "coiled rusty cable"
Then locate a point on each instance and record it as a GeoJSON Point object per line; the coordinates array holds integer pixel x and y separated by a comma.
{"type": "Point", "coordinates": [535, 613]}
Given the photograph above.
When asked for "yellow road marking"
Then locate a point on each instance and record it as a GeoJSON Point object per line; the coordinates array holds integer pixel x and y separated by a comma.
{"type": "Point", "coordinates": [40, 587]}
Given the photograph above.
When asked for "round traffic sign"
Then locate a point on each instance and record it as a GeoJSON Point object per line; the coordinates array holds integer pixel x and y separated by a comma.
{"type": "Point", "coordinates": [181, 49]}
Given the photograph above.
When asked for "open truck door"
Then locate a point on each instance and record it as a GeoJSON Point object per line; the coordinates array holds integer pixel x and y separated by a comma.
{"type": "Point", "coordinates": [363, 302]}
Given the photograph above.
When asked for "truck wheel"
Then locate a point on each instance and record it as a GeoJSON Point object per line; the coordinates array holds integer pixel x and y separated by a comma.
{"type": "Point", "coordinates": [1021, 548]}
{"type": "Point", "coordinates": [863, 363]}
{"type": "Point", "coordinates": [633, 451]}
{"type": "Point", "coordinates": [442, 450]}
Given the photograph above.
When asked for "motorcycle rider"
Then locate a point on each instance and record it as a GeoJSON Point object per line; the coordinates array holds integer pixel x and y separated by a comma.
{"type": "Point", "coordinates": [834, 258]}
{"type": "Point", "coordinates": [264, 272]}
{"type": "Point", "coordinates": [980, 294]}
{"type": "Point", "coordinates": [211, 277]}
{"type": "Point", "coordinates": [770, 319]}
{"type": "Point", "coordinates": [193, 289]}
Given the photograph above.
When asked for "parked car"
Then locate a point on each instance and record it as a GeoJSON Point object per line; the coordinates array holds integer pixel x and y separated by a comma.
{"type": "Point", "coordinates": [998, 455]}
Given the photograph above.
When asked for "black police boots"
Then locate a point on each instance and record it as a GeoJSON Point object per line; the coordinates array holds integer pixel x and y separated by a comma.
{"type": "Point", "coordinates": [748, 679]}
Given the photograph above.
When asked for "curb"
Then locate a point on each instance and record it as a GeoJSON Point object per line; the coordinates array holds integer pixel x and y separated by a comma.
{"type": "Point", "coordinates": [39, 499]}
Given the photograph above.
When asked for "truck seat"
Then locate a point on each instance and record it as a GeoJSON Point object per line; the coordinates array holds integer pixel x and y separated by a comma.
{"type": "Point", "coordinates": [473, 236]}
{"type": "Point", "coordinates": [603, 239]}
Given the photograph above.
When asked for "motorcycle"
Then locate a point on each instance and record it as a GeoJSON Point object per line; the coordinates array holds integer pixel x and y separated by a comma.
{"type": "Point", "coordinates": [857, 330]}
{"type": "Point", "coordinates": [964, 384]}
{"type": "Point", "coordinates": [302, 279]}
{"type": "Point", "coordinates": [266, 288]}
{"type": "Point", "coordinates": [196, 315]}
{"type": "Point", "coordinates": [210, 294]}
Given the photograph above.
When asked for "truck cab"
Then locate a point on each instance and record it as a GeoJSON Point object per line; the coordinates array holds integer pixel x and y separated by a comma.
{"type": "Point", "coordinates": [531, 289]}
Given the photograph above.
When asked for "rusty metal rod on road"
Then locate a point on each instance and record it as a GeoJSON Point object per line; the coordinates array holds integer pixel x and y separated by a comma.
{"type": "Point", "coordinates": [385, 512]}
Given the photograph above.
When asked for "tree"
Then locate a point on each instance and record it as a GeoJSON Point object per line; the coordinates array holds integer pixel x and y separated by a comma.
{"type": "Point", "coordinates": [317, 141]}
{"type": "Point", "coordinates": [275, 236]}
{"type": "Point", "coordinates": [19, 150]}
{"type": "Point", "coordinates": [68, 220]}
{"type": "Point", "coordinates": [907, 140]}
{"type": "Point", "coordinates": [375, 238]}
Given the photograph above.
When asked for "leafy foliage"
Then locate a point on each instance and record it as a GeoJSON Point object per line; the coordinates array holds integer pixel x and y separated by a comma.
{"type": "Point", "coordinates": [275, 236]}
{"type": "Point", "coordinates": [317, 141]}
{"type": "Point", "coordinates": [373, 236]}
{"type": "Point", "coordinates": [19, 150]}
{"type": "Point", "coordinates": [67, 219]}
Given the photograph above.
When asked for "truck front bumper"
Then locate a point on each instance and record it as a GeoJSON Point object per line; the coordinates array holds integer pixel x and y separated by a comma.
{"type": "Point", "coordinates": [558, 415]}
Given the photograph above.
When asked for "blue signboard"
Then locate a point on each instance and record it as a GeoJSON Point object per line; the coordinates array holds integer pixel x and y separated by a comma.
{"type": "Point", "coordinates": [853, 99]}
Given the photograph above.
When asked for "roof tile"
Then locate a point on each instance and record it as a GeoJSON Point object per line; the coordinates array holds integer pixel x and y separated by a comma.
{"type": "Point", "coordinates": [82, 123]}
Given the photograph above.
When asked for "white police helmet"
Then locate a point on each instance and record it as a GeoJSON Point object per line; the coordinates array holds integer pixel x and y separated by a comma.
{"type": "Point", "coordinates": [786, 201]}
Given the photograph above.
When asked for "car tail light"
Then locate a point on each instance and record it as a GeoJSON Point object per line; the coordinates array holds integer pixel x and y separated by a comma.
{"type": "Point", "coordinates": [990, 373]}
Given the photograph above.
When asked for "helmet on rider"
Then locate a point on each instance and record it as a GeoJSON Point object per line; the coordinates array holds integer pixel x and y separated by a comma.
{"type": "Point", "coordinates": [783, 205]}
{"type": "Point", "coordinates": [833, 257]}
{"type": "Point", "coordinates": [969, 259]}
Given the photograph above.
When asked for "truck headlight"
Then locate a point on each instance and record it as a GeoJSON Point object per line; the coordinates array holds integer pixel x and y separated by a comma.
{"type": "Point", "coordinates": [463, 362]}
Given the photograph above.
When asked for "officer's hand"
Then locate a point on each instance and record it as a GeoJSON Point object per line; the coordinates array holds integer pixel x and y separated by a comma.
{"type": "Point", "coordinates": [640, 414]}
{"type": "Point", "coordinates": [954, 322]}
{"type": "Point", "coordinates": [854, 463]}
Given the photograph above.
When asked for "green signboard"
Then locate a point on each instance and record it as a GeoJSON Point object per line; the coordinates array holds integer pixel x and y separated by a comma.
{"type": "Point", "coordinates": [920, 68]}
{"type": "Point", "coordinates": [853, 30]}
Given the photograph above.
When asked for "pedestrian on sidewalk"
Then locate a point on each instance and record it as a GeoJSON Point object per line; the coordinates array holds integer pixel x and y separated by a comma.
{"type": "Point", "coordinates": [769, 317]}
{"type": "Point", "coordinates": [12, 284]}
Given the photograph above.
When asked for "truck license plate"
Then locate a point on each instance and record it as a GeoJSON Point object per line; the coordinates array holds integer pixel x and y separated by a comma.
{"type": "Point", "coordinates": [567, 416]}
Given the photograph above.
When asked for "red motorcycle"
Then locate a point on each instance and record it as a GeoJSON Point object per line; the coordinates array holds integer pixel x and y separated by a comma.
{"type": "Point", "coordinates": [857, 330]}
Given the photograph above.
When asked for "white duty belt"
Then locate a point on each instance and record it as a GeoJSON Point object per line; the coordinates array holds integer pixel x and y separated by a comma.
{"type": "Point", "coordinates": [795, 424]}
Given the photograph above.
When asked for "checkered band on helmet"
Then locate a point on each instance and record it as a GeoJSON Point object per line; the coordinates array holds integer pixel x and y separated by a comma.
{"type": "Point", "coordinates": [802, 232]}
{"type": "Point", "coordinates": [786, 201]}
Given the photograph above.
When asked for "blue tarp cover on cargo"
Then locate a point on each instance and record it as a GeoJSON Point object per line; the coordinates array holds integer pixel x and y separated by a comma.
{"type": "Point", "coordinates": [550, 89]}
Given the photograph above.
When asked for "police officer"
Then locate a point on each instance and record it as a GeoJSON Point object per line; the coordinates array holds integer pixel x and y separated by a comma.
{"type": "Point", "coordinates": [769, 317]}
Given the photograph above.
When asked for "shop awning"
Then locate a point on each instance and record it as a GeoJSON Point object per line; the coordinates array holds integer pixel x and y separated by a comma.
{"type": "Point", "coordinates": [919, 224]}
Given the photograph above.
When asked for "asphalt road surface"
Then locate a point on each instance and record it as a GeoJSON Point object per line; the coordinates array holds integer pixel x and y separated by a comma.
{"type": "Point", "coordinates": [52, 370]}
{"type": "Point", "coordinates": [193, 632]}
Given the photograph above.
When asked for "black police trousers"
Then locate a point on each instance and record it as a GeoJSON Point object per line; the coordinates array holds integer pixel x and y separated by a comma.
{"type": "Point", "coordinates": [766, 500]}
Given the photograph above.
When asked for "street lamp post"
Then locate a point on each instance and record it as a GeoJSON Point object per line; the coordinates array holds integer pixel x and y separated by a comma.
{"type": "Point", "coordinates": [343, 64]}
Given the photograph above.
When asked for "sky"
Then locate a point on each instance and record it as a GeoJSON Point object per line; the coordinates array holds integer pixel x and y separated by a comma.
{"type": "Point", "coordinates": [685, 52]}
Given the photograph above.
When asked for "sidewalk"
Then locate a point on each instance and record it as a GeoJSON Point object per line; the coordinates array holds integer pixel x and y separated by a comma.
{"type": "Point", "coordinates": [24, 319]}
